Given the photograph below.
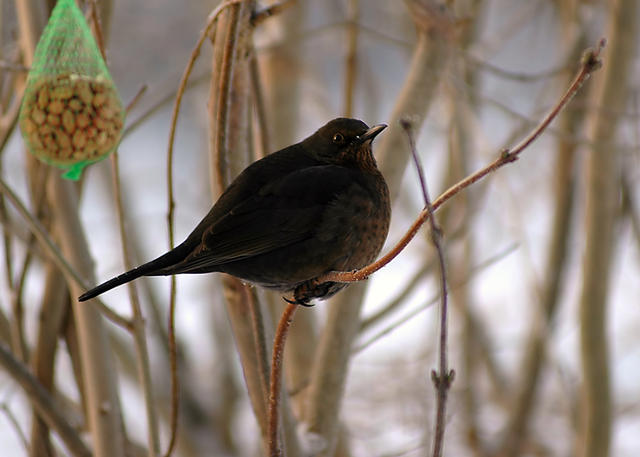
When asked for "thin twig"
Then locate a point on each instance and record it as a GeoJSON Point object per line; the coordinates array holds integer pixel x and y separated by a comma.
{"type": "Point", "coordinates": [442, 378]}
{"type": "Point", "coordinates": [513, 75]}
{"type": "Point", "coordinates": [93, 14]}
{"type": "Point", "coordinates": [590, 63]}
{"type": "Point", "coordinates": [136, 98]}
{"type": "Point", "coordinates": [15, 424]}
{"type": "Point", "coordinates": [173, 368]}
{"type": "Point", "coordinates": [158, 105]}
{"type": "Point", "coordinates": [211, 20]}
{"type": "Point", "coordinates": [405, 291]}
{"type": "Point", "coordinates": [176, 107]}
{"type": "Point", "coordinates": [137, 321]}
{"type": "Point", "coordinates": [408, 128]}
{"type": "Point", "coordinates": [21, 347]}
{"type": "Point", "coordinates": [276, 378]}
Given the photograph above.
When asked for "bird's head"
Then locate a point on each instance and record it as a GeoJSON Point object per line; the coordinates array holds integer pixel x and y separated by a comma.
{"type": "Point", "coordinates": [344, 141]}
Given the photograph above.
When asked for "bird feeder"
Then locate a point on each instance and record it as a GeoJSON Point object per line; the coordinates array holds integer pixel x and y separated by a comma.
{"type": "Point", "coordinates": [71, 114]}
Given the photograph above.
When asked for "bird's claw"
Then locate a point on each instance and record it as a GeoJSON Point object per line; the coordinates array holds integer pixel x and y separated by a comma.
{"type": "Point", "coordinates": [299, 301]}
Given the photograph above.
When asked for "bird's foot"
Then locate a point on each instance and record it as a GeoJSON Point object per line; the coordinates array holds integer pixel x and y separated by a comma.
{"type": "Point", "coordinates": [299, 301]}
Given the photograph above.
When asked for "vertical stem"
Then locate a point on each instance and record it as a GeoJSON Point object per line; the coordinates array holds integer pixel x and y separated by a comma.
{"type": "Point", "coordinates": [138, 325]}
{"type": "Point", "coordinates": [260, 107]}
{"type": "Point", "coordinates": [98, 373]}
{"type": "Point", "coordinates": [221, 91]}
{"type": "Point", "coordinates": [230, 152]}
{"type": "Point", "coordinates": [442, 378]}
{"type": "Point", "coordinates": [532, 364]}
{"type": "Point", "coordinates": [276, 378]}
{"type": "Point", "coordinates": [610, 92]}
{"type": "Point", "coordinates": [211, 21]}
{"type": "Point", "coordinates": [333, 352]}
{"type": "Point", "coordinates": [351, 62]}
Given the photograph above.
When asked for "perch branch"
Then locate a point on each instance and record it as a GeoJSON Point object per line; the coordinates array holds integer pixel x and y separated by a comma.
{"type": "Point", "coordinates": [590, 62]}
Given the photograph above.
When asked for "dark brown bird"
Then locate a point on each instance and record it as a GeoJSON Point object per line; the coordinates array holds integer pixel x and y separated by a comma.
{"type": "Point", "coordinates": [317, 206]}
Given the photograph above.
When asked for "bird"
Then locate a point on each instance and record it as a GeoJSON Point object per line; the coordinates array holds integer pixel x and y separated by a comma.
{"type": "Point", "coordinates": [316, 206]}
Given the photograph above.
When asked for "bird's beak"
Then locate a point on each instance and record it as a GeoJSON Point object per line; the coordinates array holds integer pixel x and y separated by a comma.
{"type": "Point", "coordinates": [370, 134]}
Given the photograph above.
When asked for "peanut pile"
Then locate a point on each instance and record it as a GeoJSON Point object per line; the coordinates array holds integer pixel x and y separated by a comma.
{"type": "Point", "coordinates": [70, 118]}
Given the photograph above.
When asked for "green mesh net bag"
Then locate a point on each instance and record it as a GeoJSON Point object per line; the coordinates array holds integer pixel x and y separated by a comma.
{"type": "Point", "coordinates": [71, 114]}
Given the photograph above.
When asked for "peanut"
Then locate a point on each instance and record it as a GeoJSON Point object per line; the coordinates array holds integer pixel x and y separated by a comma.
{"type": "Point", "coordinates": [79, 139]}
{"type": "Point", "coordinates": [84, 92]}
{"type": "Point", "coordinates": [62, 92]}
{"type": "Point", "coordinates": [38, 116]}
{"type": "Point", "coordinates": [99, 100]}
{"type": "Point", "coordinates": [82, 120]}
{"type": "Point", "coordinates": [68, 121]}
{"type": "Point", "coordinates": [53, 120]}
{"type": "Point", "coordinates": [29, 126]}
{"type": "Point", "coordinates": [75, 104]}
{"type": "Point", "coordinates": [56, 107]}
{"type": "Point", "coordinates": [43, 99]}
{"type": "Point", "coordinates": [63, 140]}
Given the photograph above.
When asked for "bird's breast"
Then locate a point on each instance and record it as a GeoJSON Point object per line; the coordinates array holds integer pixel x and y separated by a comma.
{"type": "Point", "coordinates": [357, 222]}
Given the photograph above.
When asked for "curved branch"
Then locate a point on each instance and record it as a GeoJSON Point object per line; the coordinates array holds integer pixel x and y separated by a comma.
{"type": "Point", "coordinates": [590, 63]}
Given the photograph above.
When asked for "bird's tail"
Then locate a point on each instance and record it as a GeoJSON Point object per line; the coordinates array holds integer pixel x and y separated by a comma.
{"type": "Point", "coordinates": [152, 268]}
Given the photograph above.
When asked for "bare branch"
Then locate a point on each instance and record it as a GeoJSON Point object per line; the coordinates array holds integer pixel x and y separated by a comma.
{"type": "Point", "coordinates": [442, 378]}
{"type": "Point", "coordinates": [590, 63]}
{"type": "Point", "coordinates": [602, 200]}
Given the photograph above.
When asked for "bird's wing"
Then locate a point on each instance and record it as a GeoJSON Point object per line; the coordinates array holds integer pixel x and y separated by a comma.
{"type": "Point", "coordinates": [279, 214]}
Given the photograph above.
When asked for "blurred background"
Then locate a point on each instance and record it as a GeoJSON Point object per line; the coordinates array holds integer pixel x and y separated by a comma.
{"type": "Point", "coordinates": [543, 256]}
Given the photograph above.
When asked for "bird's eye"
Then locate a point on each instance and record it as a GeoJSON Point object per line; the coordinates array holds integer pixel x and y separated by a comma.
{"type": "Point", "coordinates": [338, 138]}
